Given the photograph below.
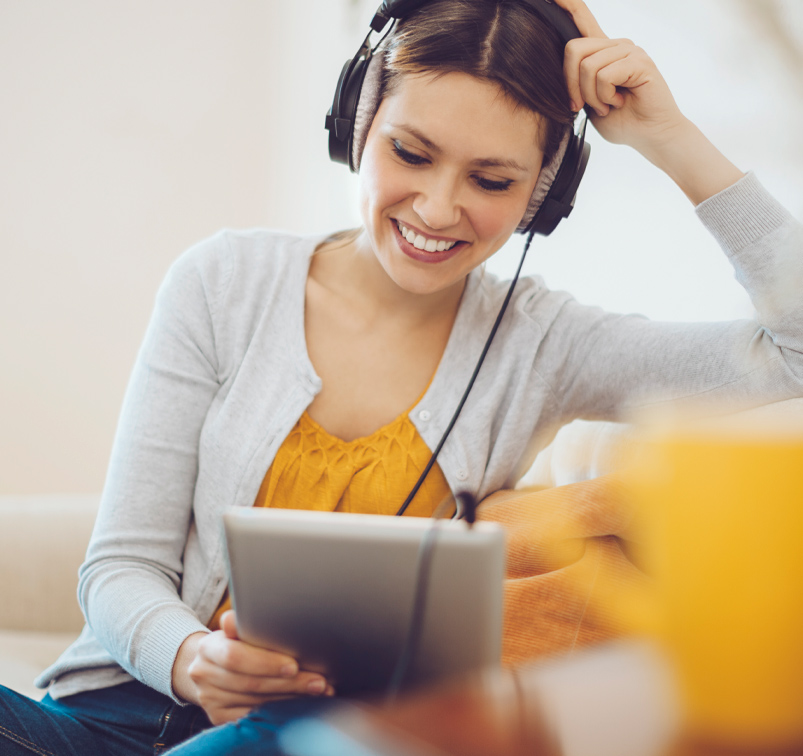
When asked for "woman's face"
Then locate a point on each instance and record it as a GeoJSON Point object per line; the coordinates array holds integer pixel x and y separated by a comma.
{"type": "Point", "coordinates": [448, 168]}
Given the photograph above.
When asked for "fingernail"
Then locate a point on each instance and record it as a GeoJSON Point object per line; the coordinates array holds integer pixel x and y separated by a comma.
{"type": "Point", "coordinates": [288, 670]}
{"type": "Point", "coordinates": [316, 686]}
{"type": "Point", "coordinates": [599, 112]}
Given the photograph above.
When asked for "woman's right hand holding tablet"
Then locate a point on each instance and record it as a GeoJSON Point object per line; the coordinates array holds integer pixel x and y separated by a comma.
{"type": "Point", "coordinates": [228, 677]}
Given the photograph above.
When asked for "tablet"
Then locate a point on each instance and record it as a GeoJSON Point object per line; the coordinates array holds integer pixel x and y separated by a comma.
{"type": "Point", "coordinates": [335, 591]}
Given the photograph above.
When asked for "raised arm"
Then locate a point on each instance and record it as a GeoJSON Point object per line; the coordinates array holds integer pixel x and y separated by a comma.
{"type": "Point", "coordinates": [603, 365]}
{"type": "Point", "coordinates": [611, 363]}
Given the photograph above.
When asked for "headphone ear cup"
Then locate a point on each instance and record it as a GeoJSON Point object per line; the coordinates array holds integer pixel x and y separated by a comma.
{"type": "Point", "coordinates": [559, 200]}
{"type": "Point", "coordinates": [341, 116]}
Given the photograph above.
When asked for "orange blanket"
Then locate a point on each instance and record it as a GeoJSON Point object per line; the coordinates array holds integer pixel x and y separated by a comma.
{"type": "Point", "coordinates": [566, 559]}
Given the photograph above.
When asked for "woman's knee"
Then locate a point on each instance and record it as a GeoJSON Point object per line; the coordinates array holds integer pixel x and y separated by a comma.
{"type": "Point", "coordinates": [258, 733]}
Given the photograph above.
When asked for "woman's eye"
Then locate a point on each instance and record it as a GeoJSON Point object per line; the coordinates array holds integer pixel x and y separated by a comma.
{"type": "Point", "coordinates": [486, 184]}
{"type": "Point", "coordinates": [493, 186]}
{"type": "Point", "coordinates": [408, 157]}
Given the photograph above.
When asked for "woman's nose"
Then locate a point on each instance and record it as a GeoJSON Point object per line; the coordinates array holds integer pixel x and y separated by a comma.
{"type": "Point", "coordinates": [437, 203]}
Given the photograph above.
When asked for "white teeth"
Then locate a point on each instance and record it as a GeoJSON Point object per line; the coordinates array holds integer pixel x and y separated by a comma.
{"type": "Point", "coordinates": [422, 242]}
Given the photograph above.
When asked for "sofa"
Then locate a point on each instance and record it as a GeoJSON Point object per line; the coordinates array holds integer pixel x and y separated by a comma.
{"type": "Point", "coordinates": [43, 540]}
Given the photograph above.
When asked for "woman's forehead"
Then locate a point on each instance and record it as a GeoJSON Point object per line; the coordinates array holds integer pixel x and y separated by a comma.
{"type": "Point", "coordinates": [461, 114]}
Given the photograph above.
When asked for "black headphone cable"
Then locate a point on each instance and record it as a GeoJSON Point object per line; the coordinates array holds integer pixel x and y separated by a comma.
{"type": "Point", "coordinates": [466, 509]}
{"type": "Point", "coordinates": [473, 378]}
{"type": "Point", "coordinates": [467, 505]}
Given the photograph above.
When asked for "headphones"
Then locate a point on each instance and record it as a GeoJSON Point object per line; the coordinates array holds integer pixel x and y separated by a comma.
{"type": "Point", "coordinates": [357, 98]}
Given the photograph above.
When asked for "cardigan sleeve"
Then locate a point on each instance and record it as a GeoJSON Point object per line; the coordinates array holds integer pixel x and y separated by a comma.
{"type": "Point", "coordinates": [129, 585]}
{"type": "Point", "coordinates": [602, 366]}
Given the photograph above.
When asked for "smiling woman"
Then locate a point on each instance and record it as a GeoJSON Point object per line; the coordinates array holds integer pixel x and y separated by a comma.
{"type": "Point", "coordinates": [464, 180]}
{"type": "Point", "coordinates": [323, 372]}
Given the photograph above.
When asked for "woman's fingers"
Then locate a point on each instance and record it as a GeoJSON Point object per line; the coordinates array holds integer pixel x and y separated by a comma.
{"type": "Point", "coordinates": [238, 656]}
{"type": "Point", "coordinates": [596, 75]}
{"type": "Point", "coordinates": [580, 69]}
{"type": "Point", "coordinates": [231, 677]}
{"type": "Point", "coordinates": [236, 666]}
{"type": "Point", "coordinates": [303, 683]}
{"type": "Point", "coordinates": [595, 70]}
{"type": "Point", "coordinates": [228, 624]}
{"type": "Point", "coordinates": [582, 17]}
{"type": "Point", "coordinates": [618, 73]}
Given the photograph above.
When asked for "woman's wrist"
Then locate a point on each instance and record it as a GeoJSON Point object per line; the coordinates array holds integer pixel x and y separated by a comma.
{"type": "Point", "coordinates": [183, 685]}
{"type": "Point", "coordinates": [693, 162]}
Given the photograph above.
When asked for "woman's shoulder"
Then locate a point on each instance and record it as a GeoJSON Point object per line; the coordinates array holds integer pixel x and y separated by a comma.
{"type": "Point", "coordinates": [532, 299]}
{"type": "Point", "coordinates": [241, 261]}
{"type": "Point", "coordinates": [251, 248]}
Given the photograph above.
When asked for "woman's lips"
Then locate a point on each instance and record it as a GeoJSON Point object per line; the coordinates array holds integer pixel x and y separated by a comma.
{"type": "Point", "coordinates": [420, 254]}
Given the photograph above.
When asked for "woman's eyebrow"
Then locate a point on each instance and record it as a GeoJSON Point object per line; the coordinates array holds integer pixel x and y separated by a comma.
{"type": "Point", "coordinates": [499, 163]}
{"type": "Point", "coordinates": [480, 162]}
{"type": "Point", "coordinates": [418, 135]}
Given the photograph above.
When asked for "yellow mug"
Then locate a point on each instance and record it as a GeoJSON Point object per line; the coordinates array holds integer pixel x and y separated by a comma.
{"type": "Point", "coordinates": [722, 535]}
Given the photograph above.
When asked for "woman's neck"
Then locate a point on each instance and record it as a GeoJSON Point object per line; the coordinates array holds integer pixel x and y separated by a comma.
{"type": "Point", "coordinates": [352, 272]}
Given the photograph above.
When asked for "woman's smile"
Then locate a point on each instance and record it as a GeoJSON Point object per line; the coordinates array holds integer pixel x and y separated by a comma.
{"type": "Point", "coordinates": [423, 247]}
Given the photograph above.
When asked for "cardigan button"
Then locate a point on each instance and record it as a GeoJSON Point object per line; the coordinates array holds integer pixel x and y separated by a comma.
{"type": "Point", "coordinates": [424, 415]}
{"type": "Point", "coordinates": [462, 474]}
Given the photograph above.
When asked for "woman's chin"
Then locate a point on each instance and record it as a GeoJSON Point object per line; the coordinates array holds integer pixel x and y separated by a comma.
{"type": "Point", "coordinates": [422, 282]}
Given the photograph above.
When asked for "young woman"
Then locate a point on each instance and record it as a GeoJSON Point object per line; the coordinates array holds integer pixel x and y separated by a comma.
{"type": "Point", "coordinates": [319, 373]}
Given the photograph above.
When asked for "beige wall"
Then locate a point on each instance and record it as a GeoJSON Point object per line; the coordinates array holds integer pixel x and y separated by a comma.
{"type": "Point", "coordinates": [128, 131]}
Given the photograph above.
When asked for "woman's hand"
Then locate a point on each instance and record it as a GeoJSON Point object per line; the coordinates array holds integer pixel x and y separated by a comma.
{"type": "Point", "coordinates": [228, 677]}
{"type": "Point", "coordinates": [631, 104]}
{"type": "Point", "coordinates": [620, 83]}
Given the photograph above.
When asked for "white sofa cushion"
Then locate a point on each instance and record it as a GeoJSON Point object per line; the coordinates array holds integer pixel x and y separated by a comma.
{"type": "Point", "coordinates": [26, 653]}
{"type": "Point", "coordinates": [43, 541]}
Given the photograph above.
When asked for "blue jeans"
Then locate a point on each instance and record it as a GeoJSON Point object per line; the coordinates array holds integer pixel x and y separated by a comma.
{"type": "Point", "coordinates": [126, 719]}
{"type": "Point", "coordinates": [279, 728]}
{"type": "Point", "coordinates": [134, 720]}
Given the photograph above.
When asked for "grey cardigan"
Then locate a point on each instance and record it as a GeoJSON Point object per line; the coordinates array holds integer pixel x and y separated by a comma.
{"type": "Point", "coordinates": [223, 375]}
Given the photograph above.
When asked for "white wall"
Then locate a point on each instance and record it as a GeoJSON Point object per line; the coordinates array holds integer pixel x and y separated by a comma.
{"type": "Point", "coordinates": [131, 129]}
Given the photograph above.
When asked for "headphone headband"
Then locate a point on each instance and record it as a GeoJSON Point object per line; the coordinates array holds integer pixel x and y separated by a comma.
{"type": "Point", "coordinates": [394, 9]}
{"type": "Point", "coordinates": [547, 10]}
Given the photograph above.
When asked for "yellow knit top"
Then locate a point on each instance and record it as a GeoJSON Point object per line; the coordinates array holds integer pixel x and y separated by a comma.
{"type": "Point", "coordinates": [369, 475]}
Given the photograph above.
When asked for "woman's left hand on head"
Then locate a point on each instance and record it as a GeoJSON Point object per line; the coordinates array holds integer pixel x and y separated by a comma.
{"type": "Point", "coordinates": [629, 100]}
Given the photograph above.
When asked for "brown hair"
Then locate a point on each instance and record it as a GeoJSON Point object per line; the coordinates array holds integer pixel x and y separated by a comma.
{"type": "Point", "coordinates": [501, 41]}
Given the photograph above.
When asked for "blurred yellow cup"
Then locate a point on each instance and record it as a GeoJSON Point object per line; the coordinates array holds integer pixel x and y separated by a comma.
{"type": "Point", "coordinates": [723, 537]}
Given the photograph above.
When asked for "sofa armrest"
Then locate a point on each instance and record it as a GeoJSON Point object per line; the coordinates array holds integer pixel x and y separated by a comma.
{"type": "Point", "coordinates": [43, 541]}
{"type": "Point", "coordinates": [583, 450]}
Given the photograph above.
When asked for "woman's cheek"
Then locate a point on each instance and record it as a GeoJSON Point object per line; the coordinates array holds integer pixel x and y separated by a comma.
{"type": "Point", "coordinates": [496, 220]}
{"type": "Point", "coordinates": [381, 187]}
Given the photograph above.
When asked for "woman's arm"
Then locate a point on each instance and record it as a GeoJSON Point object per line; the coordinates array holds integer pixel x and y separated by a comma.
{"type": "Point", "coordinates": [129, 585]}
{"type": "Point", "coordinates": [603, 365]}
{"type": "Point", "coordinates": [608, 364]}
{"type": "Point", "coordinates": [633, 105]}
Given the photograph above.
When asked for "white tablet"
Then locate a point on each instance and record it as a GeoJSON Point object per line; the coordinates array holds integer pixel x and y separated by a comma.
{"type": "Point", "coordinates": [335, 591]}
